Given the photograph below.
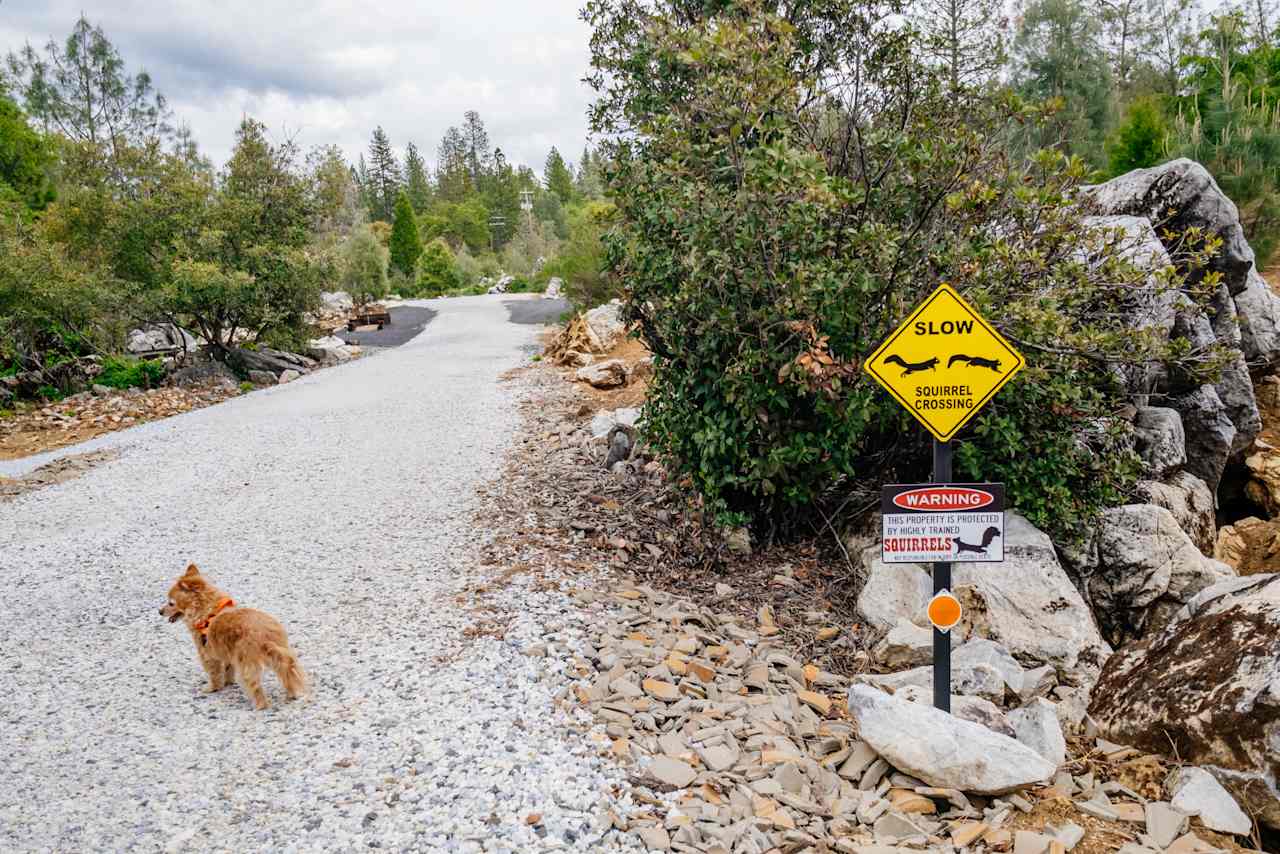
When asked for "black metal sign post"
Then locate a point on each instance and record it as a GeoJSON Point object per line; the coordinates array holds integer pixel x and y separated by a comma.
{"type": "Point", "coordinates": [941, 581]}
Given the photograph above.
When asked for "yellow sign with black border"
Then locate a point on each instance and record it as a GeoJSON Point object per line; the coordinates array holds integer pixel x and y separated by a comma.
{"type": "Point", "coordinates": [944, 363]}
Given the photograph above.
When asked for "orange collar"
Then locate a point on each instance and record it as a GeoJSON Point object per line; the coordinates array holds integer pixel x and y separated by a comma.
{"type": "Point", "coordinates": [202, 626]}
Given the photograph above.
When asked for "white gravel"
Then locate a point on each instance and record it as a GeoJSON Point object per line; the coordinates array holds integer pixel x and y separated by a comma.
{"type": "Point", "coordinates": [341, 503]}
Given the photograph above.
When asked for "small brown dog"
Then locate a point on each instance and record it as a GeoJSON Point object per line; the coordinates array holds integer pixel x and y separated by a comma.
{"type": "Point", "coordinates": [233, 642]}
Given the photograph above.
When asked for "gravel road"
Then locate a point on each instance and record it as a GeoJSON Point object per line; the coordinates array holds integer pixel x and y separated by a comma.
{"type": "Point", "coordinates": [342, 504]}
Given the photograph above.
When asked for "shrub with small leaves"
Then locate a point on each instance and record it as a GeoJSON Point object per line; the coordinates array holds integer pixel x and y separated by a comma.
{"type": "Point", "coordinates": [787, 190]}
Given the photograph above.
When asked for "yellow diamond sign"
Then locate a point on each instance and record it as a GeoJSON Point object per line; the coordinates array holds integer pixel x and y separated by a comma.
{"type": "Point", "coordinates": [944, 363]}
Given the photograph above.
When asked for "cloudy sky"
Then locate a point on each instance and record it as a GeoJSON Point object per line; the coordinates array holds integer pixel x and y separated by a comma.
{"type": "Point", "coordinates": [330, 70]}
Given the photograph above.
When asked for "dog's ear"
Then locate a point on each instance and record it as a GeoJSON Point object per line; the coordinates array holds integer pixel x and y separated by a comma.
{"type": "Point", "coordinates": [191, 579]}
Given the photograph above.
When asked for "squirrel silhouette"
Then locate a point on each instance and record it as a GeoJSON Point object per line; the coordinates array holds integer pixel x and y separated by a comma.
{"type": "Point", "coordinates": [987, 536]}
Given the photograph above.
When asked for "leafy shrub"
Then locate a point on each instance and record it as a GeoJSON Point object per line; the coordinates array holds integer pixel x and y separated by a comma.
{"type": "Point", "coordinates": [122, 372]}
{"type": "Point", "coordinates": [364, 267]}
{"type": "Point", "coordinates": [1140, 141]}
{"type": "Point", "coordinates": [436, 273]}
{"type": "Point", "coordinates": [775, 223]}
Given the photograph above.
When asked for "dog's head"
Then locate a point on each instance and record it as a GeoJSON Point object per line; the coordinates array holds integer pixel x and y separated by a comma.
{"type": "Point", "coordinates": [186, 594]}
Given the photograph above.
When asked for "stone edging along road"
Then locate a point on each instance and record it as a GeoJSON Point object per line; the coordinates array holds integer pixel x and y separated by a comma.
{"type": "Point", "coordinates": [341, 503]}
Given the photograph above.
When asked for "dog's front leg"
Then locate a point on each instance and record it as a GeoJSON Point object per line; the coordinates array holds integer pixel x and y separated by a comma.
{"type": "Point", "coordinates": [216, 670]}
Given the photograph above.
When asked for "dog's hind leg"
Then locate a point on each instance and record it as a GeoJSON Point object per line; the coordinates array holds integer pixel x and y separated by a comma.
{"type": "Point", "coordinates": [249, 675]}
{"type": "Point", "coordinates": [286, 666]}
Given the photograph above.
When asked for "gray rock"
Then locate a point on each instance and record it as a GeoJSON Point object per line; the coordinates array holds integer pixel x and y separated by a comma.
{"type": "Point", "coordinates": [968, 680]}
{"type": "Point", "coordinates": [555, 287]}
{"type": "Point", "coordinates": [1176, 196]}
{"type": "Point", "coordinates": [1210, 432]}
{"type": "Point", "coordinates": [1258, 310]}
{"type": "Point", "coordinates": [906, 645]}
{"type": "Point", "coordinates": [1235, 390]}
{"type": "Point", "coordinates": [606, 322]}
{"type": "Point", "coordinates": [1036, 725]}
{"type": "Point", "coordinates": [288, 376]}
{"type": "Point", "coordinates": [672, 772]}
{"type": "Point", "coordinates": [611, 373]}
{"type": "Point", "coordinates": [1190, 502]}
{"type": "Point", "coordinates": [339, 301]}
{"type": "Point", "coordinates": [974, 709]}
{"type": "Point", "coordinates": [1159, 440]}
{"type": "Point", "coordinates": [1145, 559]}
{"type": "Point", "coordinates": [1195, 791]}
{"type": "Point", "coordinates": [605, 421]}
{"type": "Point", "coordinates": [1207, 683]}
{"type": "Point", "coordinates": [1027, 604]}
{"type": "Point", "coordinates": [262, 378]}
{"type": "Point", "coordinates": [943, 750]}
{"type": "Point", "coordinates": [1164, 823]}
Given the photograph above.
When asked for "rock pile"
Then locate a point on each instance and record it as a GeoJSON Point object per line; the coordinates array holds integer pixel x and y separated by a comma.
{"type": "Point", "coordinates": [92, 413]}
{"type": "Point", "coordinates": [738, 746]}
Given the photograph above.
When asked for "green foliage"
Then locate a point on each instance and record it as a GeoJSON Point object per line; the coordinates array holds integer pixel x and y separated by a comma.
{"type": "Point", "coordinates": [1140, 141]}
{"type": "Point", "coordinates": [364, 267]}
{"type": "Point", "coordinates": [558, 177]}
{"type": "Point", "coordinates": [26, 158]}
{"type": "Point", "coordinates": [383, 178]}
{"type": "Point", "coordinates": [1059, 60]}
{"type": "Point", "coordinates": [436, 273]}
{"type": "Point", "coordinates": [124, 372]}
{"type": "Point", "coordinates": [461, 223]}
{"type": "Point", "coordinates": [580, 260]}
{"type": "Point", "coordinates": [405, 244]}
{"type": "Point", "coordinates": [763, 261]}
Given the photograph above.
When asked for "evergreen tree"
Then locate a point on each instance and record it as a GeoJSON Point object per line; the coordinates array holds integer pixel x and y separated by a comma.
{"type": "Point", "coordinates": [964, 37]}
{"type": "Point", "coordinates": [405, 245]}
{"type": "Point", "coordinates": [384, 177]}
{"type": "Point", "coordinates": [557, 175]}
{"type": "Point", "coordinates": [479, 158]}
{"type": "Point", "coordinates": [453, 172]}
{"type": "Point", "coordinates": [503, 199]}
{"type": "Point", "coordinates": [417, 184]}
{"type": "Point", "coordinates": [1058, 54]}
{"type": "Point", "coordinates": [80, 89]}
{"type": "Point", "coordinates": [590, 181]}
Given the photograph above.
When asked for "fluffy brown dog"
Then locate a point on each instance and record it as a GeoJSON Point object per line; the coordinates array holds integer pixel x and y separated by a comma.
{"type": "Point", "coordinates": [233, 642]}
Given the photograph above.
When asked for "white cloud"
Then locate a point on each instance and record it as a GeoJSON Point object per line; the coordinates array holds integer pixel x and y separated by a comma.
{"type": "Point", "coordinates": [329, 71]}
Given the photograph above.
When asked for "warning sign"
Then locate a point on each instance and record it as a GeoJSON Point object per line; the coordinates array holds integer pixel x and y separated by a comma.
{"type": "Point", "coordinates": [940, 522]}
{"type": "Point", "coordinates": [944, 363]}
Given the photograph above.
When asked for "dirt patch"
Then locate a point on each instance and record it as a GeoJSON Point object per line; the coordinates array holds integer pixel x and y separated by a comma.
{"type": "Point", "coordinates": [33, 428]}
{"type": "Point", "coordinates": [48, 474]}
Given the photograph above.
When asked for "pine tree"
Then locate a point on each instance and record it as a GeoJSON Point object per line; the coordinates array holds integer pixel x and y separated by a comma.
{"type": "Point", "coordinates": [405, 245]}
{"type": "Point", "coordinates": [557, 175]}
{"type": "Point", "coordinates": [453, 173]}
{"type": "Point", "coordinates": [964, 37]}
{"type": "Point", "coordinates": [502, 198]}
{"type": "Point", "coordinates": [384, 177]}
{"type": "Point", "coordinates": [479, 158]}
{"type": "Point", "coordinates": [417, 184]}
{"type": "Point", "coordinates": [589, 183]}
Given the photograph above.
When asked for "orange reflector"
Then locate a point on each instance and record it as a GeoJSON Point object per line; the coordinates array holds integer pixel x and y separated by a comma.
{"type": "Point", "coordinates": [944, 610]}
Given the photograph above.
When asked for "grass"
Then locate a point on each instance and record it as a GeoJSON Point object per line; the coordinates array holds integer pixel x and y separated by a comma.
{"type": "Point", "coordinates": [122, 372]}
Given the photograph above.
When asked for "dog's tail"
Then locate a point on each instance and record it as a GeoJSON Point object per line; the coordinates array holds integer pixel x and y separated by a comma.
{"type": "Point", "coordinates": [286, 666]}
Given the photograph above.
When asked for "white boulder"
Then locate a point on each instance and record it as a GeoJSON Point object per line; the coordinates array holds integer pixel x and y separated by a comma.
{"type": "Point", "coordinates": [941, 749]}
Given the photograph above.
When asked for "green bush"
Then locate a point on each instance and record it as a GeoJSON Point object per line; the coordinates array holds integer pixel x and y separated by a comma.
{"type": "Point", "coordinates": [123, 372]}
{"type": "Point", "coordinates": [364, 267]}
{"type": "Point", "coordinates": [1140, 141]}
{"type": "Point", "coordinates": [436, 272]}
{"type": "Point", "coordinates": [763, 261]}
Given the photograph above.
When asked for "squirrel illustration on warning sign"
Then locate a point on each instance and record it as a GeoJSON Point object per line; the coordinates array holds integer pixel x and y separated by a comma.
{"type": "Point", "coordinates": [974, 362]}
{"type": "Point", "coordinates": [912, 367]}
{"type": "Point", "coordinates": [987, 536]}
